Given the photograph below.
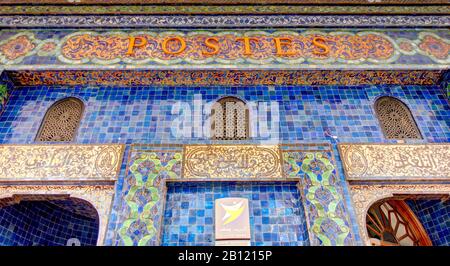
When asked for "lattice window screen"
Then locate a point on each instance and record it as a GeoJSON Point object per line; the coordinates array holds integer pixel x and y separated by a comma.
{"type": "Point", "coordinates": [230, 119]}
{"type": "Point", "coordinates": [61, 121]}
{"type": "Point", "coordinates": [396, 119]}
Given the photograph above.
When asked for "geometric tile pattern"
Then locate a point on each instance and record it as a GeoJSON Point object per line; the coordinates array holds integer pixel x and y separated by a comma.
{"type": "Point", "coordinates": [143, 114]}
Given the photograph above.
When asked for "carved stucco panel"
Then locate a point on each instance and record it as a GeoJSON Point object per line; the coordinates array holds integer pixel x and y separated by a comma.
{"type": "Point", "coordinates": [60, 162]}
{"type": "Point", "coordinates": [232, 161]}
{"type": "Point", "coordinates": [396, 161]}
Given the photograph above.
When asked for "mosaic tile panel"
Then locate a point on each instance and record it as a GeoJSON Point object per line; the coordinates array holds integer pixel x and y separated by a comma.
{"type": "Point", "coordinates": [276, 212]}
{"type": "Point", "coordinates": [196, 47]}
{"type": "Point", "coordinates": [329, 223]}
{"type": "Point", "coordinates": [142, 191]}
{"type": "Point", "coordinates": [45, 223]}
{"type": "Point", "coordinates": [307, 113]}
{"type": "Point", "coordinates": [435, 218]}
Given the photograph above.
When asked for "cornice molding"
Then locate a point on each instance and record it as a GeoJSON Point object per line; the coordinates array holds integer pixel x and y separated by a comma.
{"type": "Point", "coordinates": [228, 2]}
{"type": "Point", "coordinates": [223, 21]}
{"type": "Point", "coordinates": [222, 10]}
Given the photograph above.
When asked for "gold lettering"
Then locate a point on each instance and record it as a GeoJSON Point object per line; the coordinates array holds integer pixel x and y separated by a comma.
{"type": "Point", "coordinates": [170, 39]}
{"type": "Point", "coordinates": [321, 43]}
{"type": "Point", "coordinates": [132, 44]}
{"type": "Point", "coordinates": [213, 43]}
{"type": "Point", "coordinates": [247, 46]}
{"type": "Point", "coordinates": [281, 42]}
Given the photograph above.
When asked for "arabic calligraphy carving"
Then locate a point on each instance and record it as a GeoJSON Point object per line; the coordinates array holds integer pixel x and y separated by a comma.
{"type": "Point", "coordinates": [60, 162]}
{"type": "Point", "coordinates": [232, 161]}
{"type": "Point", "coordinates": [372, 162]}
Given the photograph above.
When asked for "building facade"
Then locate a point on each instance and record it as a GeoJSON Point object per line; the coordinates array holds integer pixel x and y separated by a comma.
{"type": "Point", "coordinates": [227, 122]}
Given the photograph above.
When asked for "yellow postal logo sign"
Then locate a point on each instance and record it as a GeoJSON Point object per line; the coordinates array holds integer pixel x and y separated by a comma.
{"type": "Point", "coordinates": [232, 219]}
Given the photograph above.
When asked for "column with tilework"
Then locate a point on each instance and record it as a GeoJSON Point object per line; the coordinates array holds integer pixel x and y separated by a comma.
{"type": "Point", "coordinates": [143, 194]}
{"type": "Point", "coordinates": [445, 83]}
{"type": "Point", "coordinates": [5, 86]}
{"type": "Point", "coordinates": [323, 194]}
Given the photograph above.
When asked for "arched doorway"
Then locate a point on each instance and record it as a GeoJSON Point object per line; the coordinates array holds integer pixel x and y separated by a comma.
{"type": "Point", "coordinates": [392, 223]}
{"type": "Point", "coordinates": [47, 220]}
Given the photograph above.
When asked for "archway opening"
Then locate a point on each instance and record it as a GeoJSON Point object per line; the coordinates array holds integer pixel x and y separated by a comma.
{"type": "Point", "coordinates": [276, 213]}
{"type": "Point", "coordinates": [43, 220]}
{"type": "Point", "coordinates": [411, 220]}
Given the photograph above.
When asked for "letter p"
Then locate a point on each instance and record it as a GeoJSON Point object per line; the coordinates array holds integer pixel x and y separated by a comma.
{"type": "Point", "coordinates": [141, 42]}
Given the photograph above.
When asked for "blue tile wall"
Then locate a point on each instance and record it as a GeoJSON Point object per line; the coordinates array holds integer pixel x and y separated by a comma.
{"type": "Point", "coordinates": [276, 213]}
{"type": "Point", "coordinates": [307, 114]}
{"type": "Point", "coordinates": [435, 218]}
{"type": "Point", "coordinates": [42, 223]}
{"type": "Point", "coordinates": [143, 114]}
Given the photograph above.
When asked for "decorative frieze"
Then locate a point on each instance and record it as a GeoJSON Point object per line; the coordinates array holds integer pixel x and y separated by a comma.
{"type": "Point", "coordinates": [216, 48]}
{"type": "Point", "coordinates": [232, 161]}
{"type": "Point", "coordinates": [384, 162]}
{"type": "Point", "coordinates": [223, 77]}
{"type": "Point", "coordinates": [60, 162]}
{"type": "Point", "coordinates": [222, 21]}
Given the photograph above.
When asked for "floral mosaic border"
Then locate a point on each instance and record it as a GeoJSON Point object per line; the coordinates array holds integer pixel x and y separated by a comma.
{"type": "Point", "coordinates": [143, 193]}
{"type": "Point", "coordinates": [223, 77]}
{"type": "Point", "coordinates": [222, 21]}
{"type": "Point", "coordinates": [322, 192]}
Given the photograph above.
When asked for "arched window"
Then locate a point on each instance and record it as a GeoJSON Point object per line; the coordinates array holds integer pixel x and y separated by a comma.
{"type": "Point", "coordinates": [230, 119]}
{"type": "Point", "coordinates": [392, 223]}
{"type": "Point", "coordinates": [61, 120]}
{"type": "Point", "coordinates": [396, 119]}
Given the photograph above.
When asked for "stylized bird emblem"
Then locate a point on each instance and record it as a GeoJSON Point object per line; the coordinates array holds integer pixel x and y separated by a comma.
{"type": "Point", "coordinates": [232, 212]}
